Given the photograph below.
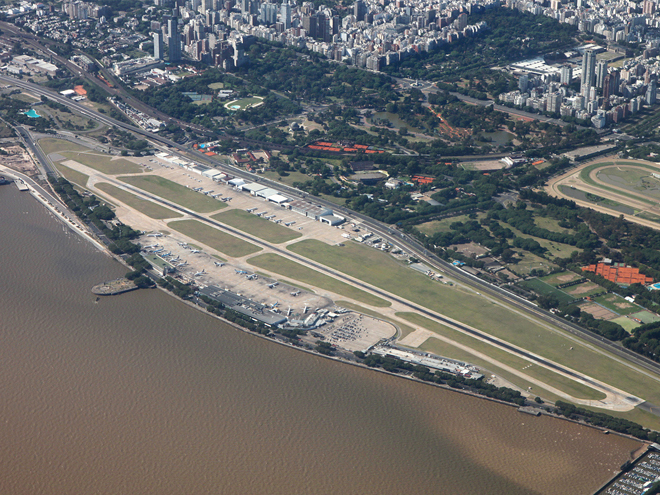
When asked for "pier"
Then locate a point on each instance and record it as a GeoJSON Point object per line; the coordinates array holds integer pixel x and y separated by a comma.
{"type": "Point", "coordinates": [114, 287]}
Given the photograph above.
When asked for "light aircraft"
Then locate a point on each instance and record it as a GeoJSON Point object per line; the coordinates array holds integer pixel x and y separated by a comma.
{"type": "Point", "coordinates": [274, 284]}
{"type": "Point", "coordinates": [295, 293]}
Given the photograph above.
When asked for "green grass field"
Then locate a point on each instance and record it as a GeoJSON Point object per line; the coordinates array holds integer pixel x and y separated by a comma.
{"type": "Point", "coordinates": [174, 192]}
{"type": "Point", "coordinates": [244, 103]}
{"type": "Point", "coordinates": [285, 267]}
{"type": "Point", "coordinates": [383, 271]}
{"type": "Point", "coordinates": [560, 278]}
{"type": "Point", "coordinates": [436, 226]}
{"type": "Point", "coordinates": [585, 289]}
{"type": "Point", "coordinates": [104, 163]}
{"type": "Point", "coordinates": [646, 316]}
{"type": "Point", "coordinates": [627, 324]}
{"type": "Point", "coordinates": [551, 224]}
{"type": "Point", "coordinates": [216, 85]}
{"type": "Point", "coordinates": [257, 226]}
{"type": "Point", "coordinates": [617, 304]}
{"type": "Point", "coordinates": [554, 249]}
{"type": "Point", "coordinates": [72, 175]}
{"type": "Point", "coordinates": [529, 262]}
{"type": "Point", "coordinates": [51, 145]}
{"type": "Point", "coordinates": [544, 289]}
{"type": "Point", "coordinates": [214, 238]}
{"type": "Point", "coordinates": [550, 377]}
{"type": "Point", "coordinates": [150, 209]}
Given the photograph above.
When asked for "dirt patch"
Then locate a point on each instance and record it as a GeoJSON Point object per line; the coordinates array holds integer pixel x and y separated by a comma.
{"type": "Point", "coordinates": [569, 277]}
{"type": "Point", "coordinates": [598, 312]}
{"type": "Point", "coordinates": [623, 305]}
{"type": "Point", "coordinates": [582, 289]}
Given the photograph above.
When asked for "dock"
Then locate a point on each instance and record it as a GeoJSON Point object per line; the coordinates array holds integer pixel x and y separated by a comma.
{"type": "Point", "coordinates": [22, 186]}
{"type": "Point", "coordinates": [114, 287]}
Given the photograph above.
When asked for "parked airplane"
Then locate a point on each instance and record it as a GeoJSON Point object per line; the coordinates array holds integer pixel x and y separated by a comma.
{"type": "Point", "coordinates": [289, 311]}
{"type": "Point", "coordinates": [289, 224]}
{"type": "Point", "coordinates": [195, 251]}
{"type": "Point", "coordinates": [240, 272]}
{"type": "Point", "coordinates": [250, 210]}
{"type": "Point", "coordinates": [165, 254]}
{"type": "Point", "coordinates": [157, 234]}
{"type": "Point", "coordinates": [200, 273]}
{"type": "Point", "coordinates": [295, 293]}
{"type": "Point", "coordinates": [183, 243]}
{"type": "Point", "coordinates": [218, 264]}
{"type": "Point", "coordinates": [275, 304]}
{"type": "Point", "coordinates": [159, 250]}
{"type": "Point", "coordinates": [251, 277]}
{"type": "Point", "coordinates": [274, 284]}
{"type": "Point", "coordinates": [268, 217]}
{"type": "Point", "coordinates": [279, 220]}
{"type": "Point", "coordinates": [305, 310]}
{"type": "Point", "coordinates": [182, 264]}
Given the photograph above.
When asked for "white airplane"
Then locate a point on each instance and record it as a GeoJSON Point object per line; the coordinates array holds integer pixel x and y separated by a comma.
{"type": "Point", "coordinates": [275, 304]}
{"type": "Point", "coordinates": [218, 264]}
{"type": "Point", "coordinates": [305, 310]}
{"type": "Point", "coordinates": [158, 234]}
{"type": "Point", "coordinates": [251, 277]}
{"type": "Point", "coordinates": [182, 264]}
{"type": "Point", "coordinates": [250, 210]}
{"type": "Point", "coordinates": [268, 217]}
{"type": "Point", "coordinates": [200, 273]}
{"type": "Point", "coordinates": [289, 311]}
{"type": "Point", "coordinates": [240, 272]}
{"type": "Point", "coordinates": [274, 284]}
{"type": "Point", "coordinates": [165, 254]}
{"type": "Point", "coordinates": [159, 250]}
{"type": "Point", "coordinates": [295, 293]}
{"type": "Point", "coordinates": [183, 243]}
{"type": "Point", "coordinates": [195, 251]}
{"type": "Point", "coordinates": [279, 220]}
{"type": "Point", "coordinates": [289, 224]}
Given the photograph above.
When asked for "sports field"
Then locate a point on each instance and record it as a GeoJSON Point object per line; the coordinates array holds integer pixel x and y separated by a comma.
{"type": "Point", "coordinates": [544, 289]}
{"type": "Point", "coordinates": [560, 278]}
{"type": "Point", "coordinates": [585, 289]}
{"type": "Point", "coordinates": [628, 324]}
{"type": "Point", "coordinates": [150, 209]}
{"type": "Point", "coordinates": [617, 304]}
{"type": "Point", "coordinates": [288, 268]}
{"type": "Point", "coordinates": [244, 103]}
{"type": "Point", "coordinates": [214, 238]}
{"type": "Point", "coordinates": [103, 163]}
{"type": "Point", "coordinates": [72, 175]}
{"type": "Point", "coordinates": [174, 192]}
{"type": "Point", "coordinates": [384, 271]}
{"type": "Point", "coordinates": [257, 226]}
{"type": "Point", "coordinates": [646, 316]}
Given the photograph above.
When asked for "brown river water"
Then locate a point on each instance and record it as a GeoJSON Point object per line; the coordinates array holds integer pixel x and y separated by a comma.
{"type": "Point", "coordinates": [141, 394]}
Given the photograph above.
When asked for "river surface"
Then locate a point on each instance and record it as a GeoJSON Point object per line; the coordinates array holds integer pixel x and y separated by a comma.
{"type": "Point", "coordinates": [140, 394]}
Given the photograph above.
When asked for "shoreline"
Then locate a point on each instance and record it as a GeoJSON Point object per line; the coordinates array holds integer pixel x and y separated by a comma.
{"type": "Point", "coordinates": [90, 237]}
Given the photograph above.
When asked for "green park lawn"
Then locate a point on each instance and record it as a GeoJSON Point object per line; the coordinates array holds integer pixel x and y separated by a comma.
{"type": "Point", "coordinates": [283, 266]}
{"type": "Point", "coordinates": [383, 271]}
{"type": "Point", "coordinates": [175, 193]}
{"type": "Point", "coordinates": [214, 238]}
{"type": "Point", "coordinates": [150, 209]}
{"type": "Point", "coordinates": [257, 226]}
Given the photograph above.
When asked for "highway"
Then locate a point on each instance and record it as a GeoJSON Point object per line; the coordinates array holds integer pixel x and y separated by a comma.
{"type": "Point", "coordinates": [385, 231]}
